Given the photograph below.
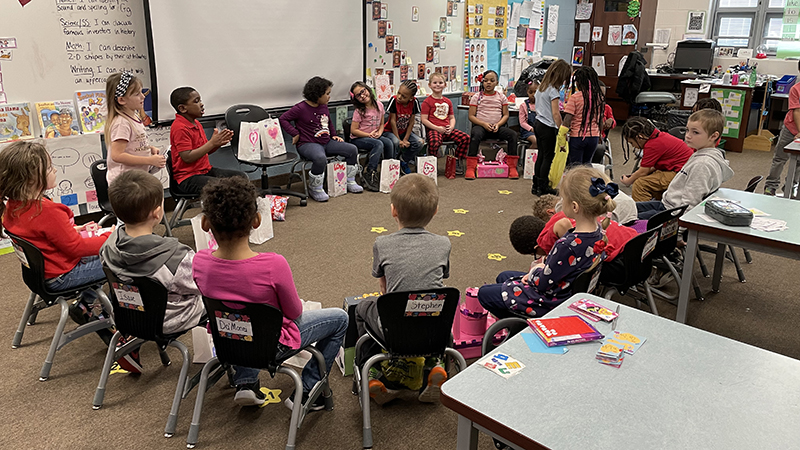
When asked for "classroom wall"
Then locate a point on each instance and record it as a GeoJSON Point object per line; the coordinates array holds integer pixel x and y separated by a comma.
{"type": "Point", "coordinates": [673, 14]}
{"type": "Point", "coordinates": [562, 46]}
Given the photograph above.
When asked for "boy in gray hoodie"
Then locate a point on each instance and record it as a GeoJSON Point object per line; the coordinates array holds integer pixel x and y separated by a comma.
{"type": "Point", "coordinates": [703, 173]}
{"type": "Point", "coordinates": [133, 250]}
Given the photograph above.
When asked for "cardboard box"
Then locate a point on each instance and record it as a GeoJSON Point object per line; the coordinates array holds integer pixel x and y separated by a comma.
{"type": "Point", "coordinates": [492, 170]}
{"type": "Point", "coordinates": [347, 353]}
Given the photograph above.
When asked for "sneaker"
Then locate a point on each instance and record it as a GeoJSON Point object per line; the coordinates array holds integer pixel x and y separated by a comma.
{"type": "Point", "coordinates": [371, 180]}
{"type": "Point", "coordinates": [249, 395]}
{"type": "Point", "coordinates": [379, 392]}
{"type": "Point", "coordinates": [655, 277]}
{"type": "Point", "coordinates": [130, 362]}
{"type": "Point", "coordinates": [770, 191]}
{"type": "Point", "coordinates": [79, 313]}
{"type": "Point", "coordinates": [666, 279]}
{"type": "Point", "coordinates": [436, 377]}
{"type": "Point", "coordinates": [318, 405]}
{"type": "Point", "coordinates": [404, 169]}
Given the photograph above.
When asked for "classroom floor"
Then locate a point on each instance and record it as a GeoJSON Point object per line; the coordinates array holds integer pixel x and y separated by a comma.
{"type": "Point", "coordinates": [58, 413]}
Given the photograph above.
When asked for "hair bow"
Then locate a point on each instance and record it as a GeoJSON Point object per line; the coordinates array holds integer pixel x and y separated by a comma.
{"type": "Point", "coordinates": [480, 77]}
{"type": "Point", "coordinates": [122, 87]}
{"type": "Point", "coordinates": [599, 186]}
{"type": "Point", "coordinates": [599, 246]}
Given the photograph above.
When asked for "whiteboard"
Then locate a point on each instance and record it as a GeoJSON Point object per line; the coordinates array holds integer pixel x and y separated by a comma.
{"type": "Point", "coordinates": [254, 51]}
{"type": "Point", "coordinates": [416, 36]}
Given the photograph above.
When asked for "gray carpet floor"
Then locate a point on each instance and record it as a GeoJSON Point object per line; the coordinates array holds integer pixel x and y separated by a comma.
{"type": "Point", "coordinates": [329, 248]}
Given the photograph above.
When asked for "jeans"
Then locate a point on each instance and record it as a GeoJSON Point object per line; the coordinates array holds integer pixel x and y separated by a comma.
{"type": "Point", "coordinates": [646, 210]}
{"type": "Point", "coordinates": [195, 183]}
{"type": "Point", "coordinates": [318, 153]}
{"type": "Point", "coordinates": [779, 160]}
{"type": "Point", "coordinates": [408, 154]}
{"type": "Point", "coordinates": [89, 269]}
{"type": "Point", "coordinates": [326, 327]}
{"type": "Point", "coordinates": [581, 150]}
{"type": "Point", "coordinates": [381, 148]}
{"type": "Point", "coordinates": [491, 295]}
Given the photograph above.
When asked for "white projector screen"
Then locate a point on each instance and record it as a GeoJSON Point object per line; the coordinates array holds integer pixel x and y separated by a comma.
{"type": "Point", "coordinates": [253, 51]}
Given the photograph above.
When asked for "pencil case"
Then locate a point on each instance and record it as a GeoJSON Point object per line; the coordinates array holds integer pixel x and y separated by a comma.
{"type": "Point", "coordinates": [729, 213]}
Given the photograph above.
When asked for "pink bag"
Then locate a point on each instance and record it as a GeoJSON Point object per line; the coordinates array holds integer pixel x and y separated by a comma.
{"type": "Point", "coordinates": [278, 206]}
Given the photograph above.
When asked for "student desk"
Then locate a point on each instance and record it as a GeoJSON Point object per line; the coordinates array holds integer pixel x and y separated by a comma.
{"type": "Point", "coordinates": [780, 243]}
{"type": "Point", "coordinates": [731, 144]}
{"type": "Point", "coordinates": [684, 388]}
{"type": "Point", "coordinates": [793, 149]}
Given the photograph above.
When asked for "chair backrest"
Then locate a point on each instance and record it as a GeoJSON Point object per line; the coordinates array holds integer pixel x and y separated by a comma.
{"type": "Point", "coordinates": [667, 223]}
{"type": "Point", "coordinates": [678, 132]}
{"type": "Point", "coordinates": [346, 125]}
{"type": "Point", "coordinates": [32, 262]}
{"type": "Point", "coordinates": [174, 190]}
{"type": "Point", "coordinates": [418, 323]}
{"type": "Point", "coordinates": [512, 325]}
{"type": "Point", "coordinates": [637, 258]}
{"type": "Point", "coordinates": [245, 334]}
{"type": "Point", "coordinates": [753, 183]}
{"type": "Point", "coordinates": [237, 114]}
{"type": "Point", "coordinates": [98, 170]}
{"type": "Point", "coordinates": [587, 280]}
{"type": "Point", "coordinates": [139, 306]}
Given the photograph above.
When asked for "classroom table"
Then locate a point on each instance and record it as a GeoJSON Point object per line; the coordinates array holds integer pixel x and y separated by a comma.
{"type": "Point", "coordinates": [780, 243]}
{"type": "Point", "coordinates": [683, 388]}
{"type": "Point", "coordinates": [793, 149]}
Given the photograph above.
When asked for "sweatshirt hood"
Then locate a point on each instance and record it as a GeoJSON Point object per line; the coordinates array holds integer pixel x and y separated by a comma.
{"type": "Point", "coordinates": [141, 256]}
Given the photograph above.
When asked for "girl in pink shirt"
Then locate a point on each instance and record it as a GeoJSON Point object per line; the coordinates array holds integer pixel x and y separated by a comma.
{"type": "Point", "coordinates": [488, 112]}
{"type": "Point", "coordinates": [584, 117]}
{"type": "Point", "coordinates": [366, 132]}
{"type": "Point", "coordinates": [235, 272]}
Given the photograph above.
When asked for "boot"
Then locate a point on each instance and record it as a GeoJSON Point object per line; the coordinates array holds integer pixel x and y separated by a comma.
{"type": "Point", "coordinates": [315, 187]}
{"type": "Point", "coordinates": [544, 187]}
{"type": "Point", "coordinates": [371, 180]}
{"type": "Point", "coordinates": [535, 187]}
{"type": "Point", "coordinates": [512, 161]}
{"type": "Point", "coordinates": [460, 164]}
{"type": "Point", "coordinates": [352, 186]}
{"type": "Point", "coordinates": [472, 166]}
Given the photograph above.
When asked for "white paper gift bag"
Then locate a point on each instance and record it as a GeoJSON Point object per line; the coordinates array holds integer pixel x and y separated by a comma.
{"type": "Point", "coordinates": [202, 239]}
{"type": "Point", "coordinates": [337, 178]}
{"type": "Point", "coordinates": [249, 141]}
{"type": "Point", "coordinates": [264, 232]}
{"type": "Point", "coordinates": [530, 161]}
{"type": "Point", "coordinates": [299, 360]}
{"type": "Point", "coordinates": [390, 173]}
{"type": "Point", "coordinates": [203, 345]}
{"type": "Point", "coordinates": [272, 144]}
{"type": "Point", "coordinates": [427, 166]}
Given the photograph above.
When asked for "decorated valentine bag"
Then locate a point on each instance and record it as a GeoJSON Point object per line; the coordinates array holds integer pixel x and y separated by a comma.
{"type": "Point", "coordinates": [264, 231]}
{"type": "Point", "coordinates": [278, 203]}
{"type": "Point", "coordinates": [450, 167]}
{"type": "Point", "coordinates": [559, 163]}
{"type": "Point", "coordinates": [202, 239]}
{"type": "Point", "coordinates": [427, 166]}
{"type": "Point", "coordinates": [272, 144]}
{"type": "Point", "coordinates": [530, 162]}
{"type": "Point", "coordinates": [337, 178]}
{"type": "Point", "coordinates": [390, 173]}
{"type": "Point", "coordinates": [249, 141]}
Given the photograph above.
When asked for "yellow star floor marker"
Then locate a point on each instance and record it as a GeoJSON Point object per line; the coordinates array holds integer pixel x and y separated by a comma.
{"type": "Point", "coordinates": [273, 396]}
{"type": "Point", "coordinates": [497, 256]}
{"type": "Point", "coordinates": [460, 211]}
{"type": "Point", "coordinates": [378, 230]}
{"type": "Point", "coordinates": [455, 233]}
{"type": "Point", "coordinates": [115, 368]}
{"type": "Point", "coordinates": [504, 192]}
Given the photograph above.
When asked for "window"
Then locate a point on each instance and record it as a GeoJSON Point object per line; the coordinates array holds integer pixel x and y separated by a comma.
{"type": "Point", "coordinates": [737, 23]}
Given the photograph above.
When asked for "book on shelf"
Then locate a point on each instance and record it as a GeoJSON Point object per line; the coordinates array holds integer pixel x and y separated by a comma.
{"type": "Point", "coordinates": [564, 330]}
{"type": "Point", "coordinates": [57, 118]}
{"type": "Point", "coordinates": [92, 110]}
{"type": "Point", "coordinates": [15, 122]}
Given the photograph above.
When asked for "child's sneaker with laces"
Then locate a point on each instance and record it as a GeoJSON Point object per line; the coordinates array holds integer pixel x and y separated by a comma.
{"type": "Point", "coordinates": [318, 405]}
{"type": "Point", "coordinates": [129, 362]}
{"type": "Point", "coordinates": [249, 394]}
{"type": "Point", "coordinates": [430, 394]}
{"type": "Point", "coordinates": [380, 393]}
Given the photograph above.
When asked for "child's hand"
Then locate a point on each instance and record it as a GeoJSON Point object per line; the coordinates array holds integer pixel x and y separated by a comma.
{"type": "Point", "coordinates": [404, 143]}
{"type": "Point", "coordinates": [295, 139]}
{"type": "Point", "coordinates": [488, 127]}
{"type": "Point", "coordinates": [375, 134]}
{"type": "Point", "coordinates": [447, 130]}
{"type": "Point", "coordinates": [157, 160]}
{"type": "Point", "coordinates": [625, 179]}
{"type": "Point", "coordinates": [337, 139]}
{"type": "Point", "coordinates": [220, 138]}
{"type": "Point", "coordinates": [608, 124]}
{"type": "Point", "coordinates": [154, 150]}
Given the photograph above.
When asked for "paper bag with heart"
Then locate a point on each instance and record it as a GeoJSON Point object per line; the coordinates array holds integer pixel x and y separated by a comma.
{"type": "Point", "coordinates": [249, 142]}
{"type": "Point", "coordinates": [271, 138]}
{"type": "Point", "coordinates": [427, 165]}
{"type": "Point", "coordinates": [337, 178]}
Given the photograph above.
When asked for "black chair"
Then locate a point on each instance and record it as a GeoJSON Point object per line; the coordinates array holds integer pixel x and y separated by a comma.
{"type": "Point", "coordinates": [678, 132]}
{"type": "Point", "coordinates": [144, 322]}
{"type": "Point", "coordinates": [184, 200]}
{"type": "Point", "coordinates": [256, 348]}
{"type": "Point", "coordinates": [637, 258]}
{"type": "Point", "coordinates": [406, 335]}
{"type": "Point", "coordinates": [362, 154]}
{"type": "Point", "coordinates": [98, 171]}
{"type": "Point", "coordinates": [667, 223]}
{"type": "Point", "coordinates": [512, 326]}
{"type": "Point", "coordinates": [32, 262]}
{"type": "Point", "coordinates": [237, 114]}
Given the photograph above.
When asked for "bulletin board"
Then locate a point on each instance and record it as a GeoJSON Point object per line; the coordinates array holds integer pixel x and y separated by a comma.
{"type": "Point", "coordinates": [732, 102]}
{"type": "Point", "coordinates": [413, 24]}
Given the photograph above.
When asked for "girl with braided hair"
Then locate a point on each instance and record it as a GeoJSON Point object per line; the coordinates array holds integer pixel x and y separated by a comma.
{"type": "Point", "coordinates": [663, 155]}
{"type": "Point", "coordinates": [584, 117]}
{"type": "Point", "coordinates": [403, 109]}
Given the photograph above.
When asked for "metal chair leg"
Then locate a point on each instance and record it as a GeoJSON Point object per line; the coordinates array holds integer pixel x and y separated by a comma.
{"type": "Point", "coordinates": [168, 231]}
{"type": "Point", "coordinates": [650, 299]}
{"type": "Point", "coordinates": [294, 423]}
{"type": "Point", "coordinates": [702, 263]}
{"type": "Point", "coordinates": [747, 256]}
{"type": "Point", "coordinates": [718, 262]}
{"type": "Point", "coordinates": [62, 322]}
{"type": "Point", "coordinates": [172, 419]}
{"type": "Point", "coordinates": [194, 429]}
{"type": "Point", "coordinates": [26, 314]}
{"type": "Point", "coordinates": [739, 271]}
{"type": "Point", "coordinates": [100, 392]}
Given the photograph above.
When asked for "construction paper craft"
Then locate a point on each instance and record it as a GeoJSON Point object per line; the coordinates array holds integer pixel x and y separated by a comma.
{"type": "Point", "coordinates": [455, 233]}
{"type": "Point", "coordinates": [597, 34]}
{"type": "Point", "coordinates": [584, 31]}
{"type": "Point", "coordinates": [429, 53]}
{"type": "Point", "coordinates": [577, 55]}
{"type": "Point", "coordinates": [389, 44]}
{"type": "Point", "coordinates": [273, 396]}
{"type": "Point", "coordinates": [384, 11]}
{"type": "Point", "coordinates": [599, 65]}
{"type": "Point", "coordinates": [629, 34]}
{"type": "Point", "coordinates": [537, 346]}
{"type": "Point", "coordinates": [443, 24]}
{"type": "Point", "coordinates": [378, 230]}
{"type": "Point", "coordinates": [504, 192]}
{"type": "Point", "coordinates": [583, 11]}
{"type": "Point", "coordinates": [450, 8]}
{"type": "Point", "coordinates": [460, 211]}
{"type": "Point", "coordinates": [615, 35]}
{"type": "Point", "coordinates": [8, 42]}
{"type": "Point", "coordinates": [436, 39]}
{"type": "Point", "coordinates": [420, 71]}
{"type": "Point", "coordinates": [442, 41]}
{"type": "Point", "coordinates": [496, 256]}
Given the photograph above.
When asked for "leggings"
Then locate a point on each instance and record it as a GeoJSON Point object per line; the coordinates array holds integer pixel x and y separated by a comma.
{"type": "Point", "coordinates": [546, 142]}
{"type": "Point", "coordinates": [503, 133]}
{"type": "Point", "coordinates": [581, 150]}
{"type": "Point", "coordinates": [317, 154]}
{"type": "Point", "coordinates": [435, 140]}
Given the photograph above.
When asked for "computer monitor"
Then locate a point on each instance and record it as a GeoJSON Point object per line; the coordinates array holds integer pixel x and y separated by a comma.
{"type": "Point", "coordinates": [694, 56]}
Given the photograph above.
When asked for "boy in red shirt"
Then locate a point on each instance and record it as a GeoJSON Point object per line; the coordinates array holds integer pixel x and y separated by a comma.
{"type": "Point", "coordinates": [190, 147]}
{"type": "Point", "coordinates": [789, 132]}
{"type": "Point", "coordinates": [439, 120]}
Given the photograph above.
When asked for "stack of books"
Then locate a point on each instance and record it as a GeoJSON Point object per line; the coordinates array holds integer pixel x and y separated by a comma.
{"type": "Point", "coordinates": [593, 311]}
{"type": "Point", "coordinates": [610, 355]}
{"type": "Point", "coordinates": [564, 330]}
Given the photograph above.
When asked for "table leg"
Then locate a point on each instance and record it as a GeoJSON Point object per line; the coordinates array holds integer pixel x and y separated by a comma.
{"type": "Point", "coordinates": [686, 277]}
{"type": "Point", "coordinates": [789, 187]}
{"type": "Point", "coordinates": [467, 435]}
{"type": "Point", "coordinates": [718, 267]}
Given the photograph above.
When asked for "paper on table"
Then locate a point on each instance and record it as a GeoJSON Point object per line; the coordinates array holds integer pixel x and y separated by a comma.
{"type": "Point", "coordinates": [764, 224]}
{"type": "Point", "coordinates": [537, 346]}
{"type": "Point", "coordinates": [584, 31]}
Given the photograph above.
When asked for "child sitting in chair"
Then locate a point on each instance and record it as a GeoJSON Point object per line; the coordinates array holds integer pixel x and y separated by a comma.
{"type": "Point", "coordinates": [410, 259]}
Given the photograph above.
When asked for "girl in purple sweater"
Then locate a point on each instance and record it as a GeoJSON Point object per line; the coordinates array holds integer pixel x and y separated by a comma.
{"type": "Point", "coordinates": [314, 136]}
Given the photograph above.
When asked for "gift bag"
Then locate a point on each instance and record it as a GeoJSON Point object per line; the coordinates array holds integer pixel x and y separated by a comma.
{"type": "Point", "coordinates": [450, 167]}
{"type": "Point", "coordinates": [249, 141]}
{"type": "Point", "coordinates": [530, 162]}
{"type": "Point", "coordinates": [559, 163]}
{"type": "Point", "coordinates": [264, 231]}
{"type": "Point", "coordinates": [203, 345]}
{"type": "Point", "coordinates": [278, 203]}
{"type": "Point", "coordinates": [272, 144]}
{"type": "Point", "coordinates": [427, 166]}
{"type": "Point", "coordinates": [299, 360]}
{"type": "Point", "coordinates": [202, 239]}
{"type": "Point", "coordinates": [390, 173]}
{"type": "Point", "coordinates": [337, 178]}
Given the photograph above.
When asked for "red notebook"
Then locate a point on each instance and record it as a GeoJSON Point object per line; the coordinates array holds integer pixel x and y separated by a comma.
{"type": "Point", "coordinates": [564, 330]}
